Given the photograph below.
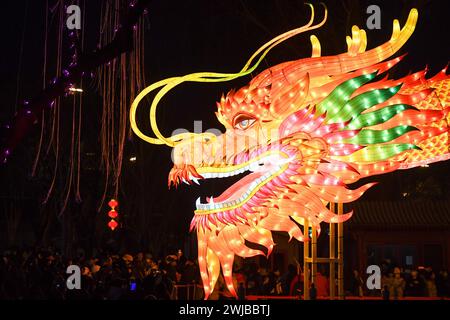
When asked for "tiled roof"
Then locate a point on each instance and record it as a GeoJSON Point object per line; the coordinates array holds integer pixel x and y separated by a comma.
{"type": "Point", "coordinates": [395, 214]}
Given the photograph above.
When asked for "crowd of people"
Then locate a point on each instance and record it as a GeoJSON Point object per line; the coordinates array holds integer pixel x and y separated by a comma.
{"type": "Point", "coordinates": [398, 283]}
{"type": "Point", "coordinates": [42, 274]}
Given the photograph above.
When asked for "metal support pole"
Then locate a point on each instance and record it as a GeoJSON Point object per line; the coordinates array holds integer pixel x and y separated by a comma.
{"type": "Point", "coordinates": [332, 256]}
{"type": "Point", "coordinates": [313, 255]}
{"type": "Point", "coordinates": [305, 261]}
{"type": "Point", "coordinates": [340, 254]}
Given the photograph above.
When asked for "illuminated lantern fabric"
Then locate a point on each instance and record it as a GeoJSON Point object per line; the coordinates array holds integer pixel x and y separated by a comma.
{"type": "Point", "coordinates": [302, 131]}
{"type": "Point", "coordinates": [112, 224]}
{"type": "Point", "coordinates": [113, 203]}
{"type": "Point", "coordinates": [112, 214]}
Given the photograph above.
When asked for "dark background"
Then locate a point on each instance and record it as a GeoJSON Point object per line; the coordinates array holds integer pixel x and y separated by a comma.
{"type": "Point", "coordinates": [181, 37]}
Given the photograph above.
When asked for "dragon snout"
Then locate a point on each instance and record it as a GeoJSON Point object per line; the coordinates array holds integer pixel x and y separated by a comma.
{"type": "Point", "coordinates": [194, 151]}
{"type": "Point", "coordinates": [184, 173]}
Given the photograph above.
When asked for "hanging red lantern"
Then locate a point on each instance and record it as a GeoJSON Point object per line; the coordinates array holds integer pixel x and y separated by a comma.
{"type": "Point", "coordinates": [113, 214]}
{"type": "Point", "coordinates": [113, 203]}
{"type": "Point", "coordinates": [112, 224]}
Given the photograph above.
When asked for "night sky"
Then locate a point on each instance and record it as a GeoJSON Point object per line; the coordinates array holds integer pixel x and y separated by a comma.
{"type": "Point", "coordinates": [190, 36]}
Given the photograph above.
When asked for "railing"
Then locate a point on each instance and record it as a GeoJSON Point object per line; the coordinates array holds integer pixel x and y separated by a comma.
{"type": "Point", "coordinates": [195, 292]}
{"type": "Point", "coordinates": [187, 292]}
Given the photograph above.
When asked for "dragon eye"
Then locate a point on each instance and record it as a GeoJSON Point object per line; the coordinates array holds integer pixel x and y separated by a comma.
{"type": "Point", "coordinates": [243, 122]}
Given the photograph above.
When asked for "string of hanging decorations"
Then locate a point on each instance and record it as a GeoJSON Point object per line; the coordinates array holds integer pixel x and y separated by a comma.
{"type": "Point", "coordinates": [115, 65]}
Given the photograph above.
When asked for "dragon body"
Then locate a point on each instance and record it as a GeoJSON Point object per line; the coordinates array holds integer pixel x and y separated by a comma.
{"type": "Point", "coordinates": [303, 131]}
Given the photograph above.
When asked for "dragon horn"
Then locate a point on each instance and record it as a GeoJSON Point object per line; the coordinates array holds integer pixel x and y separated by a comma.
{"type": "Point", "coordinates": [355, 58]}
{"type": "Point", "coordinates": [352, 61]}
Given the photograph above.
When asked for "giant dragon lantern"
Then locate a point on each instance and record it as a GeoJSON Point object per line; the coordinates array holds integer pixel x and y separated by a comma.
{"type": "Point", "coordinates": [302, 131]}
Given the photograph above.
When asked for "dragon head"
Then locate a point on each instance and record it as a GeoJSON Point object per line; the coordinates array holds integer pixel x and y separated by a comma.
{"type": "Point", "coordinates": [274, 141]}
{"type": "Point", "coordinates": [296, 136]}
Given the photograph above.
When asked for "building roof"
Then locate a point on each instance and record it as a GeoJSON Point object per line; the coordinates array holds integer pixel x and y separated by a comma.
{"type": "Point", "coordinates": [400, 214]}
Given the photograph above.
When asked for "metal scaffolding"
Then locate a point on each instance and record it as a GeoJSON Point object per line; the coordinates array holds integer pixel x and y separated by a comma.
{"type": "Point", "coordinates": [310, 259]}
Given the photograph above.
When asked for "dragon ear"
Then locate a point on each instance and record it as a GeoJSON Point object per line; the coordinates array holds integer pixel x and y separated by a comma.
{"type": "Point", "coordinates": [222, 120]}
{"type": "Point", "coordinates": [290, 98]}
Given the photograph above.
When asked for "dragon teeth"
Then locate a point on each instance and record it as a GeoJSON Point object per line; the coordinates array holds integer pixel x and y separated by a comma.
{"type": "Point", "coordinates": [276, 162]}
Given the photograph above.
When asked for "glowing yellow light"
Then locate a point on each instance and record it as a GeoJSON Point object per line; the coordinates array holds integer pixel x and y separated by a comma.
{"type": "Point", "coordinates": [72, 89]}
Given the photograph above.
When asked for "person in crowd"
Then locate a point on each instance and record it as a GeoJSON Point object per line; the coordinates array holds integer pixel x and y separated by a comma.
{"type": "Point", "coordinates": [415, 286]}
{"type": "Point", "coordinates": [254, 280]}
{"type": "Point", "coordinates": [241, 291]}
{"type": "Point", "coordinates": [322, 283]}
{"type": "Point", "coordinates": [356, 284]}
{"type": "Point", "coordinates": [443, 284]}
{"type": "Point", "coordinates": [430, 282]}
{"type": "Point", "coordinates": [396, 285]}
{"type": "Point", "coordinates": [287, 278]}
{"type": "Point", "coordinates": [385, 292]}
{"type": "Point", "coordinates": [312, 292]}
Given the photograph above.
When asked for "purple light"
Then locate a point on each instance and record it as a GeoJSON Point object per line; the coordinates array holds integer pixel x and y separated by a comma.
{"type": "Point", "coordinates": [28, 112]}
{"type": "Point", "coordinates": [66, 73]}
{"type": "Point", "coordinates": [26, 102]}
{"type": "Point", "coordinates": [7, 152]}
{"type": "Point", "coordinates": [7, 126]}
{"type": "Point", "coordinates": [52, 104]}
{"type": "Point", "coordinates": [135, 27]}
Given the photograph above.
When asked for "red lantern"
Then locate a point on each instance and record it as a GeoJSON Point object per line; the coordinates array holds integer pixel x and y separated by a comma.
{"type": "Point", "coordinates": [113, 203]}
{"type": "Point", "coordinates": [113, 214]}
{"type": "Point", "coordinates": [112, 224]}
